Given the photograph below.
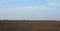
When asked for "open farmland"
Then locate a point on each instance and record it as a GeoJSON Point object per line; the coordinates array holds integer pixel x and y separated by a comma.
{"type": "Point", "coordinates": [29, 25]}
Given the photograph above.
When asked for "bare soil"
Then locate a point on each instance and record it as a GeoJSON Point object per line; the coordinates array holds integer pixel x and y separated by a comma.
{"type": "Point", "coordinates": [30, 26]}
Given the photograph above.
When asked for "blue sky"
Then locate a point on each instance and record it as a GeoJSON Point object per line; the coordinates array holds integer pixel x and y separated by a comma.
{"type": "Point", "coordinates": [30, 9]}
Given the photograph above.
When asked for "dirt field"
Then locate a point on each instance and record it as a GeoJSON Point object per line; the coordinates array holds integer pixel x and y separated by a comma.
{"type": "Point", "coordinates": [30, 26]}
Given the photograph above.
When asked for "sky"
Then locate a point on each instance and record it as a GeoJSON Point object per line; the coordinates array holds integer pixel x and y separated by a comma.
{"type": "Point", "coordinates": [30, 9]}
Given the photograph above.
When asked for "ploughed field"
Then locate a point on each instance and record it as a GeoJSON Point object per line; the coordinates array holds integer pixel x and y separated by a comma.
{"type": "Point", "coordinates": [29, 25]}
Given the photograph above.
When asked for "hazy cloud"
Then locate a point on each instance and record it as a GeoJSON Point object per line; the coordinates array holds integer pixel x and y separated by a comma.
{"type": "Point", "coordinates": [53, 2]}
{"type": "Point", "coordinates": [30, 9]}
{"type": "Point", "coordinates": [6, 1]}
